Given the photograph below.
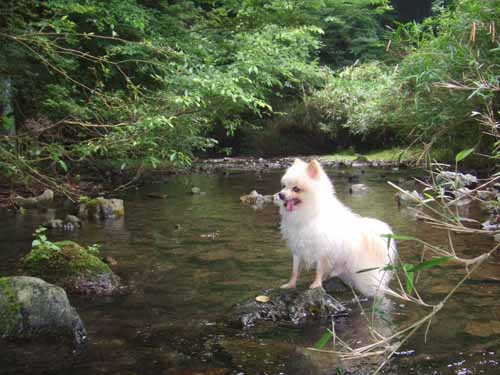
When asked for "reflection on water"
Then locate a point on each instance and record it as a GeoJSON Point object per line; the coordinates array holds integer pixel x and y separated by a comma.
{"type": "Point", "coordinates": [183, 281]}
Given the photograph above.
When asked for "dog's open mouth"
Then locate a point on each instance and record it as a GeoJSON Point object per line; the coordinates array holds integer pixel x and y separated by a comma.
{"type": "Point", "coordinates": [290, 204]}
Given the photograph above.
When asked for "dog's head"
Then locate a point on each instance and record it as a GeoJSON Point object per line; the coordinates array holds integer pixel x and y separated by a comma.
{"type": "Point", "coordinates": [304, 185]}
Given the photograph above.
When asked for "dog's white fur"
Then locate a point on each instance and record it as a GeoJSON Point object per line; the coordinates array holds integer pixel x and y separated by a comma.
{"type": "Point", "coordinates": [323, 233]}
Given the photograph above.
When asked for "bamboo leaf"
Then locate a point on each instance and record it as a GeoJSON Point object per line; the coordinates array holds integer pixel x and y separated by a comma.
{"type": "Point", "coordinates": [429, 264]}
{"type": "Point", "coordinates": [320, 344]}
{"type": "Point", "coordinates": [463, 154]}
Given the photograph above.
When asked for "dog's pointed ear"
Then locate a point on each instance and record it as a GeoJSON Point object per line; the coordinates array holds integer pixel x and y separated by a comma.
{"type": "Point", "coordinates": [313, 169]}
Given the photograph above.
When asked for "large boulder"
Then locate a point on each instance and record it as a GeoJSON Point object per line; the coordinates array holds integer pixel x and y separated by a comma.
{"type": "Point", "coordinates": [288, 305]}
{"type": "Point", "coordinates": [101, 208]}
{"type": "Point", "coordinates": [73, 267]}
{"type": "Point", "coordinates": [31, 307]}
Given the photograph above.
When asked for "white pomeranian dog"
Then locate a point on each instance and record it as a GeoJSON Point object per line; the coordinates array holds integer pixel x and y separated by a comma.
{"type": "Point", "coordinates": [323, 233]}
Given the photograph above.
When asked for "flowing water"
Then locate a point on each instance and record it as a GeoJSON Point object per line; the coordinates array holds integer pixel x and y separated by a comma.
{"type": "Point", "coordinates": [187, 259]}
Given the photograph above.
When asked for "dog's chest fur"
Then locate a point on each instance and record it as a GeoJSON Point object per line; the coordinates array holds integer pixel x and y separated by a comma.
{"type": "Point", "coordinates": [315, 239]}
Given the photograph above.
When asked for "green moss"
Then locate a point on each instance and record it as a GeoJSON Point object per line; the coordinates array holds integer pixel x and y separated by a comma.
{"type": "Point", "coordinates": [92, 207]}
{"type": "Point", "coordinates": [71, 260]}
{"type": "Point", "coordinates": [10, 308]}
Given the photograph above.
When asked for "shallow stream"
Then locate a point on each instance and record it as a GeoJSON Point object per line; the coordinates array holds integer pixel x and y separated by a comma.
{"type": "Point", "coordinates": [187, 259]}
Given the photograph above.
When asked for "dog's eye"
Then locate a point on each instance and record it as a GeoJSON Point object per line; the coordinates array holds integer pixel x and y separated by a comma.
{"type": "Point", "coordinates": [283, 186]}
{"type": "Point", "coordinates": [296, 189]}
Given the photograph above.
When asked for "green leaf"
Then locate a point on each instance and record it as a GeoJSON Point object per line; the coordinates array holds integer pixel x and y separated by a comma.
{"type": "Point", "coordinates": [409, 278]}
{"type": "Point", "coordinates": [63, 165]}
{"type": "Point", "coordinates": [429, 264]}
{"type": "Point", "coordinates": [320, 344]}
{"type": "Point", "coordinates": [463, 154]}
{"type": "Point", "coordinates": [35, 243]}
{"type": "Point", "coordinates": [368, 269]}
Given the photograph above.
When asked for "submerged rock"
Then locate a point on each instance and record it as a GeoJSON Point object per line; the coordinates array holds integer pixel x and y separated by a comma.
{"type": "Point", "coordinates": [101, 208]}
{"type": "Point", "coordinates": [411, 199]}
{"type": "Point", "coordinates": [73, 267]}
{"type": "Point", "coordinates": [289, 305]}
{"type": "Point", "coordinates": [358, 189]}
{"type": "Point", "coordinates": [42, 200]}
{"type": "Point", "coordinates": [31, 307]}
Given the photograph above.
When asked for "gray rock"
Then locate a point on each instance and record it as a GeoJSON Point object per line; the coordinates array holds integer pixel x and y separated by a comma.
{"type": "Point", "coordinates": [289, 305]}
{"type": "Point", "coordinates": [32, 202]}
{"type": "Point", "coordinates": [73, 220]}
{"type": "Point", "coordinates": [456, 180]}
{"type": "Point", "coordinates": [31, 307]}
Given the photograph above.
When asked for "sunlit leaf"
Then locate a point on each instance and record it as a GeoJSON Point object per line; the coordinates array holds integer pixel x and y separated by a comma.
{"type": "Point", "coordinates": [320, 344]}
{"type": "Point", "coordinates": [463, 154]}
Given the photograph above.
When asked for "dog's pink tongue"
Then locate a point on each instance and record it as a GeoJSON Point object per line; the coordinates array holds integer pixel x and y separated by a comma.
{"type": "Point", "coordinates": [290, 205]}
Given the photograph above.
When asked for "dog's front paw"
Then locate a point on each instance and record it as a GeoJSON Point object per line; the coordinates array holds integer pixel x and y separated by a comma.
{"type": "Point", "coordinates": [288, 285]}
{"type": "Point", "coordinates": [316, 285]}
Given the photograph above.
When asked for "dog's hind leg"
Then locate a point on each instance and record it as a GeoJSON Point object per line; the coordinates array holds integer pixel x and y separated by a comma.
{"type": "Point", "coordinates": [295, 273]}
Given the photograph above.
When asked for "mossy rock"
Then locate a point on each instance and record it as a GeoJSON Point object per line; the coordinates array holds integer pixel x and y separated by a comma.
{"type": "Point", "coordinates": [101, 208]}
{"type": "Point", "coordinates": [31, 308]}
{"type": "Point", "coordinates": [73, 267]}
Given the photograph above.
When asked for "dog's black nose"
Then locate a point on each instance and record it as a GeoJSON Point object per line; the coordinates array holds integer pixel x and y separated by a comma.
{"type": "Point", "coordinates": [282, 196]}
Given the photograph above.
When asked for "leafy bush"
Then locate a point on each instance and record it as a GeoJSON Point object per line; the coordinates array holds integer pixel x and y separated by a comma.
{"type": "Point", "coordinates": [359, 99]}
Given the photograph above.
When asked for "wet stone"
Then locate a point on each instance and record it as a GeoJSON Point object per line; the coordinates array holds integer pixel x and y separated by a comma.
{"type": "Point", "coordinates": [289, 305]}
{"type": "Point", "coordinates": [456, 180]}
{"type": "Point", "coordinates": [72, 219]}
